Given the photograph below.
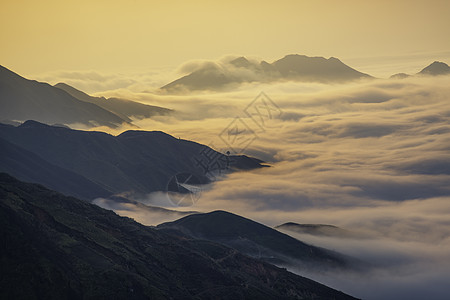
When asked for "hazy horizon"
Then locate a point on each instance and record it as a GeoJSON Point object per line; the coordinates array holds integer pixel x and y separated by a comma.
{"type": "Point", "coordinates": [143, 36]}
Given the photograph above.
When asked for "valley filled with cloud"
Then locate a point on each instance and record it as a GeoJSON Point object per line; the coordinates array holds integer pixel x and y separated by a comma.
{"type": "Point", "coordinates": [371, 156]}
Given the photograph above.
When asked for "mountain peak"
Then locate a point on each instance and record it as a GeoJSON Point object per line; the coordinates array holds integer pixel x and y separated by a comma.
{"type": "Point", "coordinates": [33, 124]}
{"type": "Point", "coordinates": [334, 59]}
{"type": "Point", "coordinates": [294, 67]}
{"type": "Point", "coordinates": [436, 68]}
{"type": "Point", "coordinates": [240, 62]}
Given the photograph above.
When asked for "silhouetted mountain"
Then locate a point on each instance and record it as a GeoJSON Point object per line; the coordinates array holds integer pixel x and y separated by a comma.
{"type": "Point", "coordinates": [138, 161]}
{"type": "Point", "coordinates": [240, 70]}
{"type": "Point", "coordinates": [121, 107]}
{"type": "Point", "coordinates": [317, 229]}
{"type": "Point", "coordinates": [256, 240]}
{"type": "Point", "coordinates": [28, 166]}
{"type": "Point", "coordinates": [22, 99]}
{"type": "Point", "coordinates": [316, 69]}
{"type": "Point", "coordinates": [207, 78]}
{"type": "Point", "coordinates": [400, 76]}
{"type": "Point", "coordinates": [57, 247]}
{"type": "Point", "coordinates": [241, 62]}
{"type": "Point", "coordinates": [436, 68]}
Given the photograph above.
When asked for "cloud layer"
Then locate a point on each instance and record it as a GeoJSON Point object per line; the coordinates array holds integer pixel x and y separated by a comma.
{"type": "Point", "coordinates": [372, 157]}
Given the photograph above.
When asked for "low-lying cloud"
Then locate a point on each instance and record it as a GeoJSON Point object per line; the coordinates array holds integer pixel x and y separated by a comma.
{"type": "Point", "coordinates": [372, 157]}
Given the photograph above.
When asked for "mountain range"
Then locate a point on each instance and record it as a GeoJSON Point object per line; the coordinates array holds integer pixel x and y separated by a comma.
{"type": "Point", "coordinates": [89, 164]}
{"type": "Point", "coordinates": [58, 247]}
{"type": "Point", "coordinates": [230, 74]}
{"type": "Point", "coordinates": [123, 108]}
{"type": "Point", "coordinates": [437, 68]}
{"type": "Point", "coordinates": [292, 67]}
{"type": "Point", "coordinates": [257, 240]}
{"type": "Point", "coordinates": [22, 99]}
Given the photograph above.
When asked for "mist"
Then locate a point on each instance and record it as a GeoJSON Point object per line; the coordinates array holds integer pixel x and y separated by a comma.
{"type": "Point", "coordinates": [370, 156]}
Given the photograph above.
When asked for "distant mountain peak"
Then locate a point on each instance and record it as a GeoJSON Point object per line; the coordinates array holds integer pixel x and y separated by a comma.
{"type": "Point", "coordinates": [400, 76]}
{"type": "Point", "coordinates": [436, 68]}
{"type": "Point", "coordinates": [241, 62]}
{"type": "Point", "coordinates": [34, 124]}
{"type": "Point", "coordinates": [295, 67]}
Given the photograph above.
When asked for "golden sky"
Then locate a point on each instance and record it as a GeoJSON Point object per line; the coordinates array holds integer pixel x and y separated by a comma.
{"type": "Point", "coordinates": [121, 35]}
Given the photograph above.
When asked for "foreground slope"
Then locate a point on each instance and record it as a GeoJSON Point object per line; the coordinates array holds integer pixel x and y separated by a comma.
{"type": "Point", "coordinates": [256, 239]}
{"type": "Point", "coordinates": [138, 161]}
{"type": "Point", "coordinates": [22, 99]}
{"type": "Point", "coordinates": [57, 247]}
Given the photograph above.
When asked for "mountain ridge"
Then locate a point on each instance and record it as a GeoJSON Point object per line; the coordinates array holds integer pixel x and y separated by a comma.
{"type": "Point", "coordinates": [293, 67]}
{"type": "Point", "coordinates": [135, 160]}
{"type": "Point", "coordinates": [436, 68]}
{"type": "Point", "coordinates": [65, 248]}
{"type": "Point", "coordinates": [23, 99]}
{"type": "Point", "coordinates": [256, 240]}
{"type": "Point", "coordinates": [126, 109]}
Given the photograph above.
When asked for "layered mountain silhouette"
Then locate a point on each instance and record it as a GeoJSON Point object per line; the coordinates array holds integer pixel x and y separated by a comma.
{"type": "Point", "coordinates": [219, 76]}
{"type": "Point", "coordinates": [57, 247]}
{"type": "Point", "coordinates": [22, 99]}
{"type": "Point", "coordinates": [436, 68]}
{"type": "Point", "coordinates": [137, 161]}
{"type": "Point", "coordinates": [32, 168]}
{"type": "Point", "coordinates": [256, 240]}
{"type": "Point", "coordinates": [125, 109]}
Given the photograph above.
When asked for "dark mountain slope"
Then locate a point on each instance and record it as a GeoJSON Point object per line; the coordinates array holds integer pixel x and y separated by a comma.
{"type": "Point", "coordinates": [28, 166]}
{"type": "Point", "coordinates": [22, 99]}
{"type": "Point", "coordinates": [254, 239]}
{"type": "Point", "coordinates": [138, 161]}
{"type": "Point", "coordinates": [121, 107]}
{"type": "Point", "coordinates": [56, 247]}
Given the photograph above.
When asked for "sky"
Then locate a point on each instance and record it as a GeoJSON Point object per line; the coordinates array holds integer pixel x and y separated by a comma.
{"type": "Point", "coordinates": [121, 36]}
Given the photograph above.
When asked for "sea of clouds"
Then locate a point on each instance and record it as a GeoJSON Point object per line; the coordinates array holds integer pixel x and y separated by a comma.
{"type": "Point", "coordinates": [372, 157]}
